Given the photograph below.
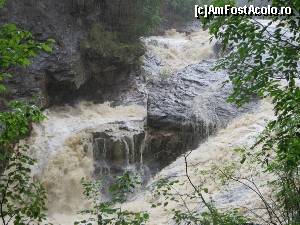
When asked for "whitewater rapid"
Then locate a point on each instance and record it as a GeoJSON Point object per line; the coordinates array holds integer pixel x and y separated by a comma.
{"type": "Point", "coordinates": [218, 151]}
{"type": "Point", "coordinates": [63, 148]}
{"type": "Point", "coordinates": [177, 50]}
{"type": "Point", "coordinates": [62, 143]}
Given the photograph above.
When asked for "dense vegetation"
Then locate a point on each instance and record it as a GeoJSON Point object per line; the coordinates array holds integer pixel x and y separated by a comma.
{"type": "Point", "coordinates": [22, 200]}
{"type": "Point", "coordinates": [265, 62]}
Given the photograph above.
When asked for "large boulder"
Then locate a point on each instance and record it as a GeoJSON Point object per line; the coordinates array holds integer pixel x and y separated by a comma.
{"type": "Point", "coordinates": [118, 147]}
{"type": "Point", "coordinates": [185, 109]}
{"type": "Point", "coordinates": [182, 111]}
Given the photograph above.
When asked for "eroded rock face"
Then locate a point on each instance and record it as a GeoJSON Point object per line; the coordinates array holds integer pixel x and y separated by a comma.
{"type": "Point", "coordinates": [185, 109]}
{"type": "Point", "coordinates": [182, 111]}
{"type": "Point", "coordinates": [69, 72]}
{"type": "Point", "coordinates": [119, 147]}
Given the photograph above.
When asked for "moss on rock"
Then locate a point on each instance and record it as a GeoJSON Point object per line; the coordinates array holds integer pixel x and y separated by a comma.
{"type": "Point", "coordinates": [108, 45]}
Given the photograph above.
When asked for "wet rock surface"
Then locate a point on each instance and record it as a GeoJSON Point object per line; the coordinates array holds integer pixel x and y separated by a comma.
{"type": "Point", "coordinates": [118, 147]}
{"type": "Point", "coordinates": [186, 109]}
{"type": "Point", "coordinates": [193, 94]}
{"type": "Point", "coordinates": [182, 112]}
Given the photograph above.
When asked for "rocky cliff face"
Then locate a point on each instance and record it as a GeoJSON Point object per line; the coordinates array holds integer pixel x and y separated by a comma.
{"type": "Point", "coordinates": [65, 75]}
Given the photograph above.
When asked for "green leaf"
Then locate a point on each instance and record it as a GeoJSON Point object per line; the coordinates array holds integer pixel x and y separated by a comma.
{"type": "Point", "coordinates": [46, 48]}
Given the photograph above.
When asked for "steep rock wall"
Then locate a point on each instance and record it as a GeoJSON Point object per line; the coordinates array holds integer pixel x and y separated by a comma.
{"type": "Point", "coordinates": [72, 70]}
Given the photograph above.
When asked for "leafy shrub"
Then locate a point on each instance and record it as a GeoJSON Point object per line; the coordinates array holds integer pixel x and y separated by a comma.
{"type": "Point", "coordinates": [17, 47]}
{"type": "Point", "coordinates": [123, 186]}
{"type": "Point", "coordinates": [265, 62]}
{"type": "Point", "coordinates": [22, 200]}
{"type": "Point", "coordinates": [107, 212]}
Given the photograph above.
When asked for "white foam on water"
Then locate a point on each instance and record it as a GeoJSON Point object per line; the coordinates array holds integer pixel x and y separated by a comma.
{"type": "Point", "coordinates": [178, 50]}
{"type": "Point", "coordinates": [62, 146]}
{"type": "Point", "coordinates": [217, 150]}
{"type": "Point", "coordinates": [60, 143]}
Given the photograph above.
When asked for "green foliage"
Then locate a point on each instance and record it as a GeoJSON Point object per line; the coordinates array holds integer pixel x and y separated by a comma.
{"type": "Point", "coordinates": [22, 200]}
{"type": "Point", "coordinates": [148, 17]}
{"type": "Point", "coordinates": [15, 125]}
{"type": "Point", "coordinates": [17, 47]}
{"type": "Point", "coordinates": [2, 2]}
{"type": "Point", "coordinates": [106, 212]}
{"type": "Point", "coordinates": [264, 62]}
{"type": "Point", "coordinates": [123, 186]}
{"type": "Point", "coordinates": [16, 121]}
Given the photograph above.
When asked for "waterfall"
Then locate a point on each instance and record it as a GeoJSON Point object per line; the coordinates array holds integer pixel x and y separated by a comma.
{"type": "Point", "coordinates": [178, 50]}
{"type": "Point", "coordinates": [217, 150]}
{"type": "Point", "coordinates": [63, 147]}
{"type": "Point", "coordinates": [127, 152]}
{"type": "Point", "coordinates": [89, 140]}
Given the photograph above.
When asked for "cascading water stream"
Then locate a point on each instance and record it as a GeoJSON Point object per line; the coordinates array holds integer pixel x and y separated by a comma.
{"type": "Point", "coordinates": [217, 150]}
{"type": "Point", "coordinates": [178, 50]}
{"type": "Point", "coordinates": [64, 145]}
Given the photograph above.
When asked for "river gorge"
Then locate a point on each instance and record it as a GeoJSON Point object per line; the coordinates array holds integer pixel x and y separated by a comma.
{"type": "Point", "coordinates": [117, 100]}
{"type": "Point", "coordinates": [177, 105]}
